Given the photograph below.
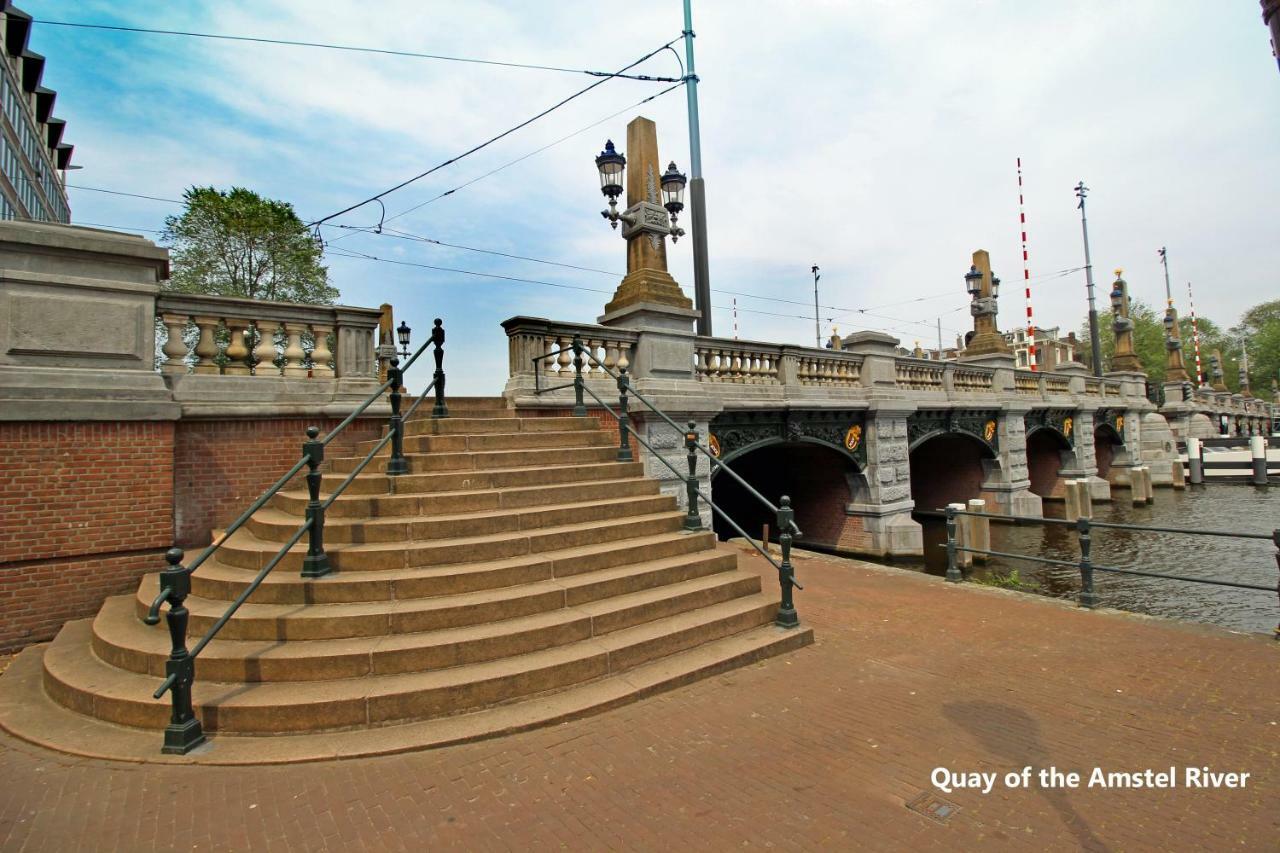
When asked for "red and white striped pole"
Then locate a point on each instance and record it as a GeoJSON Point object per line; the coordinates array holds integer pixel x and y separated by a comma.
{"type": "Point", "coordinates": [1195, 336]}
{"type": "Point", "coordinates": [1026, 275]}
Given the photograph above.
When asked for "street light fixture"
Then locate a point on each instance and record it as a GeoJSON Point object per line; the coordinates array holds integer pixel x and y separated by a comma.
{"type": "Point", "coordinates": [995, 286]}
{"type": "Point", "coordinates": [611, 164]}
{"type": "Point", "coordinates": [644, 215]}
{"type": "Point", "coordinates": [973, 282]}
{"type": "Point", "coordinates": [402, 333]}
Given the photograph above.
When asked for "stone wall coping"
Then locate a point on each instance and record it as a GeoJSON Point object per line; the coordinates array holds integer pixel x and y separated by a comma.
{"type": "Point", "coordinates": [170, 302]}
{"type": "Point", "coordinates": [56, 238]}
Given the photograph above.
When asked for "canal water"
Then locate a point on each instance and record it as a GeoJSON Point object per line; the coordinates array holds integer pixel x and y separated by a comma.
{"type": "Point", "coordinates": [1217, 506]}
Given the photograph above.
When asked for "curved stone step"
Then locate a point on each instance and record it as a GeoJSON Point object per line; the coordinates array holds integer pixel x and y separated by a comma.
{"type": "Point", "coordinates": [380, 484]}
{"type": "Point", "coordinates": [244, 550]}
{"type": "Point", "coordinates": [710, 580]}
{"type": "Point", "coordinates": [415, 504]}
{"type": "Point", "coordinates": [27, 712]}
{"type": "Point", "coordinates": [459, 442]}
{"type": "Point", "coordinates": [79, 680]}
{"type": "Point", "coordinates": [215, 580]}
{"type": "Point", "coordinates": [274, 525]}
{"type": "Point", "coordinates": [470, 424]}
{"type": "Point", "coordinates": [422, 463]}
{"type": "Point", "coordinates": [123, 640]}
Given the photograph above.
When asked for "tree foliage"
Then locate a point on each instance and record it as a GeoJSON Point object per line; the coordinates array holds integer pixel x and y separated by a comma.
{"type": "Point", "coordinates": [1259, 328]}
{"type": "Point", "coordinates": [238, 243]}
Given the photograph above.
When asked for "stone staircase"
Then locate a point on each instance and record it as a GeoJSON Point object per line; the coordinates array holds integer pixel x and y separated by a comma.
{"type": "Point", "coordinates": [519, 575]}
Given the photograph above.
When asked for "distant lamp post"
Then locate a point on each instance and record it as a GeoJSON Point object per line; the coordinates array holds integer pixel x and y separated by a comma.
{"type": "Point", "coordinates": [653, 201]}
{"type": "Point", "coordinates": [1124, 359]}
{"type": "Point", "coordinates": [983, 288]}
{"type": "Point", "coordinates": [402, 334]}
{"type": "Point", "coordinates": [611, 165]}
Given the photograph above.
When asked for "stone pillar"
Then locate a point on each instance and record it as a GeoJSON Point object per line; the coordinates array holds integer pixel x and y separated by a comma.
{"type": "Point", "coordinates": [1174, 369]}
{"type": "Point", "coordinates": [668, 444]}
{"type": "Point", "coordinates": [886, 514]}
{"type": "Point", "coordinates": [1158, 448]}
{"type": "Point", "coordinates": [987, 339]}
{"type": "Point", "coordinates": [1007, 485]}
{"type": "Point", "coordinates": [1124, 358]}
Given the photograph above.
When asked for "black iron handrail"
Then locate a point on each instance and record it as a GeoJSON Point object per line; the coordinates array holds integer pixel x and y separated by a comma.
{"type": "Point", "coordinates": [1084, 527]}
{"type": "Point", "coordinates": [784, 514]}
{"type": "Point", "coordinates": [184, 731]}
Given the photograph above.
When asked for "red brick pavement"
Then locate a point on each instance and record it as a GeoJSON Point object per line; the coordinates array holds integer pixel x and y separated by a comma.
{"type": "Point", "coordinates": [820, 749]}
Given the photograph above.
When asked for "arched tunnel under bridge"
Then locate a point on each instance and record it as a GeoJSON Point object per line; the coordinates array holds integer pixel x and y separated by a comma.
{"type": "Point", "coordinates": [947, 467]}
{"type": "Point", "coordinates": [819, 479]}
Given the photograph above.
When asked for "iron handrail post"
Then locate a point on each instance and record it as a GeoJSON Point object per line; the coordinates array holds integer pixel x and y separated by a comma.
{"type": "Point", "coordinates": [439, 410]}
{"type": "Point", "coordinates": [184, 732]}
{"type": "Point", "coordinates": [1088, 598]}
{"type": "Point", "coordinates": [579, 406]}
{"type": "Point", "coordinates": [624, 418]}
{"type": "Point", "coordinates": [397, 464]}
{"type": "Point", "coordinates": [692, 521]}
{"type": "Point", "coordinates": [787, 617]}
{"type": "Point", "coordinates": [316, 563]}
{"type": "Point", "coordinates": [1275, 539]}
{"type": "Point", "coordinates": [954, 574]}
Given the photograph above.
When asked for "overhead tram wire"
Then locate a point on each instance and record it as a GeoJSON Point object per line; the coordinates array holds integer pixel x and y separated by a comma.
{"type": "Point", "coordinates": [357, 49]}
{"type": "Point", "coordinates": [492, 139]}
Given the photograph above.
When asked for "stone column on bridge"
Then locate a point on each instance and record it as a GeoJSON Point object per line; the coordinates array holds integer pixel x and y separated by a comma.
{"type": "Point", "coordinates": [1007, 484]}
{"type": "Point", "coordinates": [987, 339]}
{"type": "Point", "coordinates": [886, 516]}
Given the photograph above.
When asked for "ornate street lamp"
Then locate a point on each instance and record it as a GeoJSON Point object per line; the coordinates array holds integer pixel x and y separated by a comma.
{"type": "Point", "coordinates": [673, 182]}
{"type": "Point", "coordinates": [402, 333]}
{"type": "Point", "coordinates": [995, 286]}
{"type": "Point", "coordinates": [611, 164]}
{"type": "Point", "coordinates": [973, 282]}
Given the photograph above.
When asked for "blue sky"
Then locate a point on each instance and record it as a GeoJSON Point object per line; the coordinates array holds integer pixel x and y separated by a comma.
{"type": "Point", "coordinates": [876, 138]}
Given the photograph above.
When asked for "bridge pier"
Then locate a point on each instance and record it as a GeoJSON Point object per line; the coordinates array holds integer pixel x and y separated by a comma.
{"type": "Point", "coordinates": [1007, 485]}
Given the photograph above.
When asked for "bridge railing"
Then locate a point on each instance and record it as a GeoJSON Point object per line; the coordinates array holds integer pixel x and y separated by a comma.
{"type": "Point", "coordinates": [580, 359]}
{"type": "Point", "coordinates": [228, 336]}
{"type": "Point", "coordinates": [1084, 528]}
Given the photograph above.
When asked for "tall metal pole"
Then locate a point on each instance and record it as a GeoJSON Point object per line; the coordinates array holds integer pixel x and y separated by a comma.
{"type": "Point", "coordinates": [817, 329]}
{"type": "Point", "coordinates": [697, 189]}
{"type": "Point", "coordinates": [1095, 345]}
{"type": "Point", "coordinates": [939, 339]}
{"type": "Point", "coordinates": [1168, 291]}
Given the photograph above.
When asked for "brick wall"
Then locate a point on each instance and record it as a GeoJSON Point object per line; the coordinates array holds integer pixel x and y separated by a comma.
{"type": "Point", "coordinates": [1044, 460]}
{"type": "Point", "coordinates": [85, 509]}
{"type": "Point", "coordinates": [946, 469]}
{"type": "Point", "coordinates": [221, 466]}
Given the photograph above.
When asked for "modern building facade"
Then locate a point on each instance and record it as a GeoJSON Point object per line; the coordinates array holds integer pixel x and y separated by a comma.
{"type": "Point", "coordinates": [33, 157]}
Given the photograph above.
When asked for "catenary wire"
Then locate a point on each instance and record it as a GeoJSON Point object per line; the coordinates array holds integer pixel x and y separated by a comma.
{"type": "Point", "coordinates": [352, 48]}
{"type": "Point", "coordinates": [488, 141]}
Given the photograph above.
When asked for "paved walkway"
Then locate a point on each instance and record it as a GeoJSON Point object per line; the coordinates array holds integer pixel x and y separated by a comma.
{"type": "Point", "coordinates": [821, 749]}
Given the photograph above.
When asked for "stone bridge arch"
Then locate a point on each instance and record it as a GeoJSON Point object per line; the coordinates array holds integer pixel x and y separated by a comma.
{"type": "Point", "coordinates": [816, 457]}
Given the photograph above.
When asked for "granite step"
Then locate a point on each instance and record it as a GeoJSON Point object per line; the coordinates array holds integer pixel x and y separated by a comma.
{"type": "Point", "coordinates": [529, 475]}
{"type": "Point", "coordinates": [424, 463]}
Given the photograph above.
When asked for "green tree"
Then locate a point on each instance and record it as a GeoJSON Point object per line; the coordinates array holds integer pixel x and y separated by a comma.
{"type": "Point", "coordinates": [1260, 327]}
{"type": "Point", "coordinates": [238, 243]}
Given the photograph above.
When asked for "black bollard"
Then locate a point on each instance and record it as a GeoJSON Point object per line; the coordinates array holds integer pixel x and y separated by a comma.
{"type": "Point", "coordinates": [787, 617]}
{"type": "Point", "coordinates": [439, 410]}
{"type": "Point", "coordinates": [183, 733]}
{"type": "Point", "coordinates": [397, 464]}
{"type": "Point", "coordinates": [624, 420]}
{"type": "Point", "coordinates": [692, 521]}
{"type": "Point", "coordinates": [1088, 598]}
{"type": "Point", "coordinates": [316, 563]}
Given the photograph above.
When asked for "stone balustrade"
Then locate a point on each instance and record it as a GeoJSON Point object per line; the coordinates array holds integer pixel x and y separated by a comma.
{"type": "Point", "coordinates": [971, 380]}
{"type": "Point", "coordinates": [837, 370]}
{"type": "Point", "coordinates": [1026, 382]}
{"type": "Point", "coordinates": [918, 375]}
{"type": "Point", "coordinates": [745, 364]}
{"type": "Point", "coordinates": [530, 338]}
{"type": "Point", "coordinates": [226, 336]}
{"type": "Point", "coordinates": [1056, 384]}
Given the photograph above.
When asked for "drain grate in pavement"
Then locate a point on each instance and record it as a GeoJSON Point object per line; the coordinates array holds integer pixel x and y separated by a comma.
{"type": "Point", "coordinates": [933, 806]}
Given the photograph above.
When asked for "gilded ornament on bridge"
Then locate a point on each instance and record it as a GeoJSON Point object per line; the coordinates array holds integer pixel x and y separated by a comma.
{"type": "Point", "coordinates": [853, 437]}
{"type": "Point", "coordinates": [1066, 427]}
{"type": "Point", "coordinates": [714, 444]}
{"type": "Point", "coordinates": [1120, 424]}
{"type": "Point", "coordinates": [989, 430]}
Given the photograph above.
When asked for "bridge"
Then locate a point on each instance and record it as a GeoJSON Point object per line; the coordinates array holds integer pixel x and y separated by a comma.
{"type": "Point", "coordinates": [860, 437]}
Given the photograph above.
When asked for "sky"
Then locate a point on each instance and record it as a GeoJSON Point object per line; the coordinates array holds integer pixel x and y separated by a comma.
{"type": "Point", "coordinates": [877, 139]}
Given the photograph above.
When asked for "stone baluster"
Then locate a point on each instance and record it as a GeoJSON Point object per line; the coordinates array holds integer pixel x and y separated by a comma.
{"type": "Point", "coordinates": [611, 355]}
{"type": "Point", "coordinates": [264, 354]}
{"type": "Point", "coordinates": [565, 359]}
{"type": "Point", "coordinates": [293, 352]}
{"type": "Point", "coordinates": [237, 350]}
{"type": "Point", "coordinates": [207, 346]}
{"type": "Point", "coordinates": [175, 348]}
{"type": "Point", "coordinates": [321, 357]}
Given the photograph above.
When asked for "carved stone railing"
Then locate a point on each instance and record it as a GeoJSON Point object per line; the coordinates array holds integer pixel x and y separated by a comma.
{"type": "Point", "coordinates": [729, 361]}
{"type": "Point", "coordinates": [836, 370]}
{"type": "Point", "coordinates": [1056, 384]}
{"type": "Point", "coordinates": [1093, 387]}
{"type": "Point", "coordinates": [249, 337]}
{"type": "Point", "coordinates": [1026, 382]}
{"type": "Point", "coordinates": [532, 337]}
{"type": "Point", "coordinates": [1112, 388]}
{"type": "Point", "coordinates": [971, 380]}
{"type": "Point", "coordinates": [919, 375]}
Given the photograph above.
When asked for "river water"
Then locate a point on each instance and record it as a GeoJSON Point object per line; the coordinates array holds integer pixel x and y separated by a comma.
{"type": "Point", "coordinates": [1217, 506]}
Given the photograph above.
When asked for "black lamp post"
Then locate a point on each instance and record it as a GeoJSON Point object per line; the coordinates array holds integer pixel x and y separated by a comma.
{"type": "Point", "coordinates": [402, 333]}
{"type": "Point", "coordinates": [610, 164]}
{"type": "Point", "coordinates": [973, 282]}
{"type": "Point", "coordinates": [673, 183]}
